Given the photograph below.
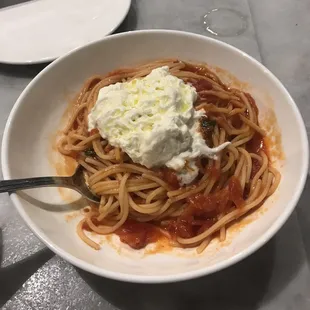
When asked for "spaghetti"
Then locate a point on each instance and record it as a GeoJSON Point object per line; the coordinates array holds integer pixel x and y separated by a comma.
{"type": "Point", "coordinates": [142, 205]}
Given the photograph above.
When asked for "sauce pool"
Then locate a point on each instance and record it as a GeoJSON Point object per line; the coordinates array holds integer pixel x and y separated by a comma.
{"type": "Point", "coordinates": [138, 235]}
{"type": "Point", "coordinates": [170, 177]}
{"type": "Point", "coordinates": [201, 213]}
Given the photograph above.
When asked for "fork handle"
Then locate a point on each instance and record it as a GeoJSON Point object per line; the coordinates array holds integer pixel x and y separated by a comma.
{"type": "Point", "coordinates": [19, 184]}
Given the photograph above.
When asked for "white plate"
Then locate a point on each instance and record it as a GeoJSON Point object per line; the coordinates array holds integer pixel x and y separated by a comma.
{"type": "Point", "coordinates": [36, 116]}
{"type": "Point", "coordinates": [42, 30]}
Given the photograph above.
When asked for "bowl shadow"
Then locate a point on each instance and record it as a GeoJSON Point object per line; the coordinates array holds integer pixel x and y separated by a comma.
{"type": "Point", "coordinates": [14, 276]}
{"type": "Point", "coordinates": [130, 21]}
{"type": "Point", "coordinates": [241, 286]}
{"type": "Point", "coordinates": [303, 215]}
{"type": "Point", "coordinates": [8, 3]}
{"type": "Point", "coordinates": [63, 207]}
{"type": "Point", "coordinates": [28, 71]}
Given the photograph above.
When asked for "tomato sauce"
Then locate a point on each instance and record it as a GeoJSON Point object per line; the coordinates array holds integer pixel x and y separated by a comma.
{"type": "Point", "coordinates": [108, 148]}
{"type": "Point", "coordinates": [256, 144]}
{"type": "Point", "coordinates": [202, 210]}
{"type": "Point", "coordinates": [201, 84]}
{"type": "Point", "coordinates": [200, 214]}
{"type": "Point", "coordinates": [74, 155]}
{"type": "Point", "coordinates": [213, 172]}
{"type": "Point", "coordinates": [255, 167]}
{"type": "Point", "coordinates": [93, 131]}
{"type": "Point", "coordinates": [252, 102]}
{"type": "Point", "coordinates": [197, 69]}
{"type": "Point", "coordinates": [138, 235]}
{"type": "Point", "coordinates": [236, 121]}
{"type": "Point", "coordinates": [170, 177]}
{"type": "Point", "coordinates": [93, 83]}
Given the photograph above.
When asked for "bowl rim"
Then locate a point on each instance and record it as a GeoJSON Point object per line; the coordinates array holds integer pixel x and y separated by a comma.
{"type": "Point", "coordinates": [264, 238]}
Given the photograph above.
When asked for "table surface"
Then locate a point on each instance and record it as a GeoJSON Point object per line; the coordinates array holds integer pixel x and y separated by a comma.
{"type": "Point", "coordinates": [275, 277]}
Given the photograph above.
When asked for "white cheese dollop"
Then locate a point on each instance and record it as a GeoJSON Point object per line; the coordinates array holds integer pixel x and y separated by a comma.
{"type": "Point", "coordinates": [153, 120]}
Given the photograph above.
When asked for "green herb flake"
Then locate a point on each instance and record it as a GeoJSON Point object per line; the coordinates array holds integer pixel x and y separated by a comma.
{"type": "Point", "coordinates": [206, 123]}
{"type": "Point", "coordinates": [90, 152]}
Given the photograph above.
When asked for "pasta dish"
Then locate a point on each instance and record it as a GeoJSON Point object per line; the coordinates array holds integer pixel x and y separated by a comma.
{"type": "Point", "coordinates": [171, 151]}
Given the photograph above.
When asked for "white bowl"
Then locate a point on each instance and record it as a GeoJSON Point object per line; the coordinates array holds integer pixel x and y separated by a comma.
{"type": "Point", "coordinates": [36, 116]}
